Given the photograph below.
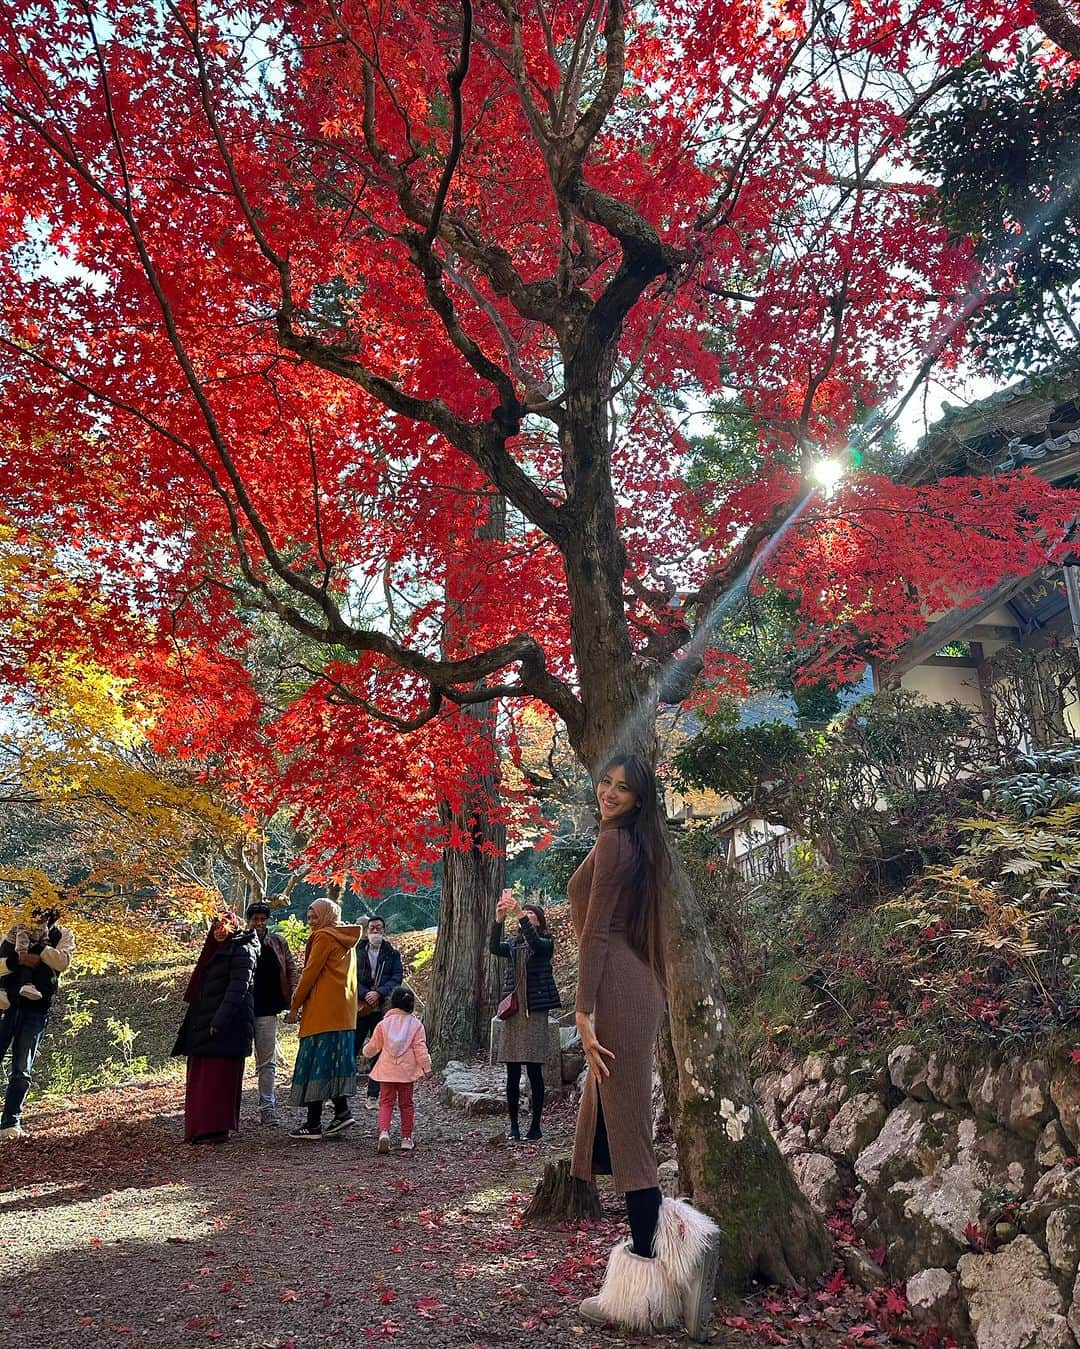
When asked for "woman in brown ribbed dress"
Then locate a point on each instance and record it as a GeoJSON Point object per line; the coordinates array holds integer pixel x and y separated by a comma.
{"type": "Point", "coordinates": [615, 899]}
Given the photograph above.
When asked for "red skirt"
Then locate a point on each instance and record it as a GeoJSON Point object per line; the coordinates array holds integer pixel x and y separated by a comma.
{"type": "Point", "coordinates": [212, 1097]}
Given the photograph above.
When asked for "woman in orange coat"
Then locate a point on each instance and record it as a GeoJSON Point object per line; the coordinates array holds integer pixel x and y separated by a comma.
{"type": "Point", "coordinates": [325, 1005]}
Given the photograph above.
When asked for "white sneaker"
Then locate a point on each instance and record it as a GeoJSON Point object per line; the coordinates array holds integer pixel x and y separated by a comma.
{"type": "Point", "coordinates": [407, 1145]}
{"type": "Point", "coordinates": [383, 1145]}
{"type": "Point", "coordinates": [30, 993]}
{"type": "Point", "coordinates": [12, 1131]}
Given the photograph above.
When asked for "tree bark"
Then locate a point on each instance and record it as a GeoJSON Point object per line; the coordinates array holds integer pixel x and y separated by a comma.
{"type": "Point", "coordinates": [728, 1161]}
{"type": "Point", "coordinates": [464, 976]}
{"type": "Point", "coordinates": [1058, 26]}
{"type": "Point", "coordinates": [560, 1197]}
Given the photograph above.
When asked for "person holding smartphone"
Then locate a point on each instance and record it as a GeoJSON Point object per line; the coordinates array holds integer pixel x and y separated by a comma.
{"type": "Point", "coordinates": [528, 952]}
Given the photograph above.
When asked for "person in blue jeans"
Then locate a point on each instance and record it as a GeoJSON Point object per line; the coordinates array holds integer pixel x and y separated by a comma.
{"type": "Point", "coordinates": [23, 1023]}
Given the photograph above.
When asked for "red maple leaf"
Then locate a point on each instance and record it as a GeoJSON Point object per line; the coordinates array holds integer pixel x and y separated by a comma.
{"type": "Point", "coordinates": [895, 1302]}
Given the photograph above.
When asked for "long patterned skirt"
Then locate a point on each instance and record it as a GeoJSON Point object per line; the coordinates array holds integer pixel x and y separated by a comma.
{"type": "Point", "coordinates": [325, 1067]}
{"type": "Point", "coordinates": [212, 1097]}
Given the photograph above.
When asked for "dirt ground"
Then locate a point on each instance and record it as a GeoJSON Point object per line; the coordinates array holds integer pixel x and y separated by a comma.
{"type": "Point", "coordinates": [113, 1232]}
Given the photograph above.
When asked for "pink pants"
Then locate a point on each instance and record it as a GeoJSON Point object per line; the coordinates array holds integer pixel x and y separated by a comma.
{"type": "Point", "coordinates": [401, 1092]}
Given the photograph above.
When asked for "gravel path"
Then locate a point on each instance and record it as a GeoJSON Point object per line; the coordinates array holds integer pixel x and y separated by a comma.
{"type": "Point", "coordinates": [113, 1232]}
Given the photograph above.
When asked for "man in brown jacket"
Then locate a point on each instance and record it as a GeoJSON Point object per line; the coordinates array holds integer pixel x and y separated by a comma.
{"type": "Point", "coordinates": [275, 981]}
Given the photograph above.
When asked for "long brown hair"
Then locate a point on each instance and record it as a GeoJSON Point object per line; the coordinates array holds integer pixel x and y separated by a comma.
{"type": "Point", "coordinates": [652, 859]}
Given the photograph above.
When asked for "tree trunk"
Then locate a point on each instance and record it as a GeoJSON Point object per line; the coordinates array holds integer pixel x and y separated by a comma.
{"type": "Point", "coordinates": [464, 976]}
{"type": "Point", "coordinates": [728, 1161]}
{"type": "Point", "coordinates": [560, 1197]}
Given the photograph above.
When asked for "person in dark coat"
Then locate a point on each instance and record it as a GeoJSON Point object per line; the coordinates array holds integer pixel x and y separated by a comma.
{"type": "Point", "coordinates": [378, 972]}
{"type": "Point", "coordinates": [275, 983]}
{"type": "Point", "coordinates": [218, 1030]}
{"type": "Point", "coordinates": [529, 954]}
{"type": "Point", "coordinates": [23, 1019]}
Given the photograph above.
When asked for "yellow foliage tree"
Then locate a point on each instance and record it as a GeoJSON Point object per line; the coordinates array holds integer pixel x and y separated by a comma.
{"type": "Point", "coordinates": [75, 751]}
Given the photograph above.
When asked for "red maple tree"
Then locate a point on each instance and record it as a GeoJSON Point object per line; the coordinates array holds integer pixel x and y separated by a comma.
{"type": "Point", "coordinates": [297, 297]}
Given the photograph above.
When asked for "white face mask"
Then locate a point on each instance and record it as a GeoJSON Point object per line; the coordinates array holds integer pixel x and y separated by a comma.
{"type": "Point", "coordinates": [375, 938]}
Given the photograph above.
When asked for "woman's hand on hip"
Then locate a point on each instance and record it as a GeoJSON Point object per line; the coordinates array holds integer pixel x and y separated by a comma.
{"type": "Point", "coordinates": [292, 1018]}
{"type": "Point", "coordinates": [595, 1053]}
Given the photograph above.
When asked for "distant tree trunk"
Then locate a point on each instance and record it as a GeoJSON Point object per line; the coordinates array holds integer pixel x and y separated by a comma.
{"type": "Point", "coordinates": [463, 974]}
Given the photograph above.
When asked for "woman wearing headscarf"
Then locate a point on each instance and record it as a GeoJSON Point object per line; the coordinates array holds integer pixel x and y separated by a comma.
{"type": "Point", "coordinates": [325, 1005]}
{"type": "Point", "coordinates": [218, 1029]}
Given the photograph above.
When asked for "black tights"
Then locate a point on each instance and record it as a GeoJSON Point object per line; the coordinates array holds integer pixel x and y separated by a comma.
{"type": "Point", "coordinates": [314, 1110]}
{"type": "Point", "coordinates": [513, 1091]}
{"type": "Point", "coordinates": [643, 1213]}
{"type": "Point", "coordinates": [642, 1206]}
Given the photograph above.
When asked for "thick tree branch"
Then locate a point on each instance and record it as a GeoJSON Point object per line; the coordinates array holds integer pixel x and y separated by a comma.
{"type": "Point", "coordinates": [595, 115]}
{"type": "Point", "coordinates": [1058, 26]}
{"type": "Point", "coordinates": [455, 81]}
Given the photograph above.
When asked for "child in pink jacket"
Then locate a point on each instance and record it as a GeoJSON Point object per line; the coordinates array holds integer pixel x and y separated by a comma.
{"type": "Point", "coordinates": [401, 1045]}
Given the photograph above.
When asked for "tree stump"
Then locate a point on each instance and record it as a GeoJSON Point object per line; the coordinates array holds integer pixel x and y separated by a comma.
{"type": "Point", "coordinates": [561, 1197]}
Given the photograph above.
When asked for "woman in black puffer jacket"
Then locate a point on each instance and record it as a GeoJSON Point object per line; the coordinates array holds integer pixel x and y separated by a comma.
{"type": "Point", "coordinates": [218, 1030]}
{"type": "Point", "coordinates": [524, 1035]}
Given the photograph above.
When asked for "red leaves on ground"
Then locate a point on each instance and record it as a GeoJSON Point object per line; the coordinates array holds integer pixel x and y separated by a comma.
{"type": "Point", "coordinates": [896, 1302]}
{"type": "Point", "coordinates": [837, 1282]}
{"type": "Point", "coordinates": [385, 1331]}
{"type": "Point", "coordinates": [427, 1305]}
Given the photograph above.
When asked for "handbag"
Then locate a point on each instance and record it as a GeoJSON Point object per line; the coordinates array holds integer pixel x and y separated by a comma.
{"type": "Point", "coordinates": [513, 1001]}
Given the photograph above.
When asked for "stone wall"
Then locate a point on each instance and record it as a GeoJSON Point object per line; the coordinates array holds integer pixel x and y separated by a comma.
{"type": "Point", "coordinates": [965, 1180]}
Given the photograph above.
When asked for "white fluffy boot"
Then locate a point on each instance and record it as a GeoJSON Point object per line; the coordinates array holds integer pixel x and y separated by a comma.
{"type": "Point", "coordinates": [687, 1244]}
{"type": "Point", "coordinates": [637, 1293]}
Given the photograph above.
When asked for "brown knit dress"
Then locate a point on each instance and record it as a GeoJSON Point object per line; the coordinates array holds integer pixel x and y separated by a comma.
{"type": "Point", "coordinates": [626, 1000]}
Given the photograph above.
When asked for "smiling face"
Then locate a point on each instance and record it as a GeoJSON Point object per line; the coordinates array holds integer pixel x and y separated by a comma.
{"type": "Point", "coordinates": [316, 918]}
{"type": "Point", "coordinates": [614, 795]}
